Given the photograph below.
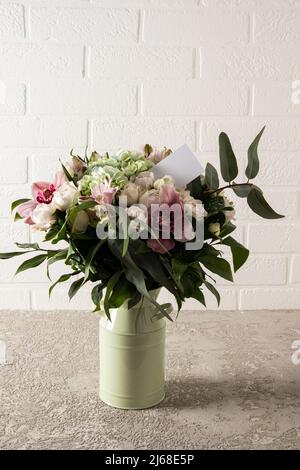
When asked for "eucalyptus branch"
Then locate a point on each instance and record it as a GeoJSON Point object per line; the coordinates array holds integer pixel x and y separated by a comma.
{"type": "Point", "coordinates": [217, 191]}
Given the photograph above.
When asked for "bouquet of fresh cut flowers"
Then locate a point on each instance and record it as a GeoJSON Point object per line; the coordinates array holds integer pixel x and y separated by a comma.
{"type": "Point", "coordinates": [129, 234]}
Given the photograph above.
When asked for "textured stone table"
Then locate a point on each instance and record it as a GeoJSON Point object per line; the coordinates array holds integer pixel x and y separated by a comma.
{"type": "Point", "coordinates": [230, 384]}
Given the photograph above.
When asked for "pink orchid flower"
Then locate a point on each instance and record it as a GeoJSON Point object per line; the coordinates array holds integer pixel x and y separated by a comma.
{"type": "Point", "coordinates": [42, 193]}
{"type": "Point", "coordinates": [103, 193]}
{"type": "Point", "coordinates": [169, 199]}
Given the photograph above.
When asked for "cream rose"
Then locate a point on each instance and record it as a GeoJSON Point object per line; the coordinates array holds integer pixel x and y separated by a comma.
{"type": "Point", "coordinates": [81, 222]}
{"type": "Point", "coordinates": [64, 196]}
{"type": "Point", "coordinates": [131, 191]}
{"type": "Point", "coordinates": [145, 180]}
{"type": "Point", "coordinates": [43, 216]}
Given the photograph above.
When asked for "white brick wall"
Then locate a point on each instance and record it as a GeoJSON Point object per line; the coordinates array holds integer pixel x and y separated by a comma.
{"type": "Point", "coordinates": [117, 73]}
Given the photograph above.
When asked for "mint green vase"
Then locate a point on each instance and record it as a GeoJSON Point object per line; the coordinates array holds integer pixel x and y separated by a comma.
{"type": "Point", "coordinates": [132, 357]}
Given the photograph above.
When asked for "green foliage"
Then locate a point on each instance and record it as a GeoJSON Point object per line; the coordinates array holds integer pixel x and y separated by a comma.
{"type": "Point", "coordinates": [219, 266]}
{"type": "Point", "coordinates": [253, 162]}
{"type": "Point", "coordinates": [259, 205]}
{"type": "Point", "coordinates": [32, 263]}
{"type": "Point", "coordinates": [211, 176]}
{"type": "Point", "coordinates": [228, 163]}
{"type": "Point", "coordinates": [239, 252]}
{"type": "Point", "coordinates": [18, 203]}
{"type": "Point", "coordinates": [126, 270]}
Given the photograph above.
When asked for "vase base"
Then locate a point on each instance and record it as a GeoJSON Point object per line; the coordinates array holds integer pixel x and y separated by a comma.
{"type": "Point", "coordinates": [126, 406]}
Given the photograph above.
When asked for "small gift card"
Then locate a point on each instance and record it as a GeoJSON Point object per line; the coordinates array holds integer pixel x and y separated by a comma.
{"type": "Point", "coordinates": [182, 165]}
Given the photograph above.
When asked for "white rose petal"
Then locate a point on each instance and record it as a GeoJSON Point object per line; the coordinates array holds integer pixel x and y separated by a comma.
{"type": "Point", "coordinates": [64, 196]}
{"type": "Point", "coordinates": [43, 216]}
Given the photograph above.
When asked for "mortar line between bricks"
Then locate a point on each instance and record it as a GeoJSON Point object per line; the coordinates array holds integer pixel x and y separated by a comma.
{"type": "Point", "coordinates": [90, 133]}
{"type": "Point", "coordinates": [27, 99]}
{"type": "Point", "coordinates": [139, 100]}
{"type": "Point", "coordinates": [86, 70]}
{"type": "Point", "coordinates": [141, 27]}
{"type": "Point", "coordinates": [27, 21]}
{"type": "Point", "coordinates": [252, 27]}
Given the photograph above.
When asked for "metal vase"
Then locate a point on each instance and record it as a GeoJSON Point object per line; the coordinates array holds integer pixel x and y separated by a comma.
{"type": "Point", "coordinates": [132, 356]}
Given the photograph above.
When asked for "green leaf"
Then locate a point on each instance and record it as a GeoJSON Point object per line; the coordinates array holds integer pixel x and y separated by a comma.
{"type": "Point", "coordinates": [213, 290]}
{"type": "Point", "coordinates": [195, 188]}
{"type": "Point", "coordinates": [259, 205]}
{"type": "Point", "coordinates": [90, 257]}
{"type": "Point", "coordinates": [253, 162]}
{"type": "Point", "coordinates": [179, 268]}
{"type": "Point", "coordinates": [228, 161]}
{"type": "Point", "coordinates": [151, 263]}
{"type": "Point", "coordinates": [241, 190]}
{"type": "Point", "coordinates": [110, 285]}
{"type": "Point", "coordinates": [12, 254]}
{"type": "Point", "coordinates": [67, 174]}
{"type": "Point", "coordinates": [97, 293]}
{"type": "Point", "coordinates": [227, 229]}
{"type": "Point", "coordinates": [18, 203]}
{"type": "Point", "coordinates": [219, 266]}
{"type": "Point", "coordinates": [74, 287]}
{"type": "Point", "coordinates": [214, 204]}
{"type": "Point", "coordinates": [62, 278]}
{"type": "Point", "coordinates": [239, 252]}
{"type": "Point", "coordinates": [211, 177]}
{"type": "Point", "coordinates": [81, 207]}
{"type": "Point", "coordinates": [198, 295]}
{"type": "Point", "coordinates": [31, 263]}
{"type": "Point", "coordinates": [122, 291]}
{"type": "Point", "coordinates": [59, 235]}
{"type": "Point", "coordinates": [61, 255]}
{"type": "Point", "coordinates": [134, 274]}
{"type": "Point", "coordinates": [34, 246]}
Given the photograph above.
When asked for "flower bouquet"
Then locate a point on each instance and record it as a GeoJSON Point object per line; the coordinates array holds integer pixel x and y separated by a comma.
{"type": "Point", "coordinates": [130, 234]}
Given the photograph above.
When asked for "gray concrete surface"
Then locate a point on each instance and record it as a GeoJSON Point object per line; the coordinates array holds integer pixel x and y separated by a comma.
{"type": "Point", "coordinates": [231, 384]}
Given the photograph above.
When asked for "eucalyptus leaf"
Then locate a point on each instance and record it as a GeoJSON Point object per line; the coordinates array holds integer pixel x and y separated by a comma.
{"type": "Point", "coordinates": [253, 161]}
{"type": "Point", "coordinates": [259, 205]}
{"type": "Point", "coordinates": [228, 228]}
{"type": "Point", "coordinates": [211, 177]}
{"type": "Point", "coordinates": [228, 163]}
{"type": "Point", "coordinates": [241, 190]}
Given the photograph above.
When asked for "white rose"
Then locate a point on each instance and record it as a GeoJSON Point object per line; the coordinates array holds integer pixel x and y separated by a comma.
{"type": "Point", "coordinates": [131, 191]}
{"type": "Point", "coordinates": [81, 222]}
{"type": "Point", "coordinates": [145, 180]}
{"type": "Point", "coordinates": [136, 212]}
{"type": "Point", "coordinates": [64, 196]}
{"type": "Point", "coordinates": [43, 216]}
